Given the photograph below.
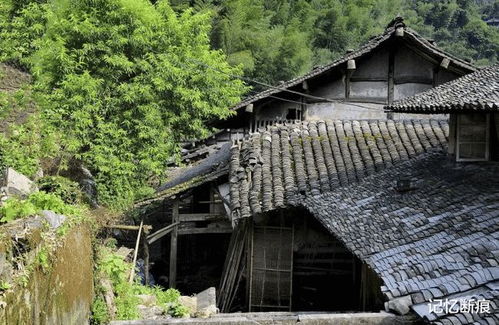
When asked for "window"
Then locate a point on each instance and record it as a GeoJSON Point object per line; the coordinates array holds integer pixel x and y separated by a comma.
{"type": "Point", "coordinates": [293, 114]}
{"type": "Point", "coordinates": [472, 137]}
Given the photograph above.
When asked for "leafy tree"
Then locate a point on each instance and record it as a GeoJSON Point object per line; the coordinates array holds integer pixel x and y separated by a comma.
{"type": "Point", "coordinates": [280, 39]}
{"type": "Point", "coordinates": [21, 22]}
{"type": "Point", "coordinates": [124, 82]}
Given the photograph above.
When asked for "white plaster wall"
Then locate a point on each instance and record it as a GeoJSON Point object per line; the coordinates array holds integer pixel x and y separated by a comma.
{"type": "Point", "coordinates": [377, 90]}
{"type": "Point", "coordinates": [346, 111]}
{"type": "Point", "coordinates": [408, 89]}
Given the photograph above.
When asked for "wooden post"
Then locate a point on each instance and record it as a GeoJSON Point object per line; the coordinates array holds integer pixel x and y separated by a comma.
{"type": "Point", "coordinates": [249, 262]}
{"type": "Point", "coordinates": [132, 272]}
{"type": "Point", "coordinates": [146, 260]}
{"type": "Point", "coordinates": [173, 246]}
{"type": "Point", "coordinates": [391, 81]}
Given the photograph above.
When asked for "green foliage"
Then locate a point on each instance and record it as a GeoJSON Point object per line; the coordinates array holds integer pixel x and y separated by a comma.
{"type": "Point", "coordinates": [167, 299]}
{"type": "Point", "coordinates": [117, 270]}
{"type": "Point", "coordinates": [122, 82]}
{"type": "Point", "coordinates": [280, 39]}
{"type": "Point", "coordinates": [15, 208]}
{"type": "Point", "coordinates": [64, 188]}
{"type": "Point", "coordinates": [21, 23]}
{"type": "Point", "coordinates": [4, 285]}
{"type": "Point", "coordinates": [176, 309]}
{"type": "Point", "coordinates": [42, 259]}
{"type": "Point", "coordinates": [28, 140]}
{"type": "Point", "coordinates": [100, 315]}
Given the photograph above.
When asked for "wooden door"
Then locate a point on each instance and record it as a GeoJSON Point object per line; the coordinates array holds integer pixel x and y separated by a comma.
{"type": "Point", "coordinates": [271, 270]}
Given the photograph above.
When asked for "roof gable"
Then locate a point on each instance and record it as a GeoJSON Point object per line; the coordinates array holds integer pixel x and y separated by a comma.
{"type": "Point", "coordinates": [374, 43]}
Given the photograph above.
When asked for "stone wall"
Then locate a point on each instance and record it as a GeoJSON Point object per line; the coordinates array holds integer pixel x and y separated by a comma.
{"type": "Point", "coordinates": [59, 293]}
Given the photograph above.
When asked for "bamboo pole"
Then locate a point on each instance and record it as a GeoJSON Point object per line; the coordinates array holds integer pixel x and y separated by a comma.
{"type": "Point", "coordinates": [146, 228]}
{"type": "Point", "coordinates": [132, 272]}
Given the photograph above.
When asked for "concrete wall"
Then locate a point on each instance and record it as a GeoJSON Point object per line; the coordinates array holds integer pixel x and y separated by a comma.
{"type": "Point", "coordinates": [326, 111]}
{"type": "Point", "coordinates": [59, 294]}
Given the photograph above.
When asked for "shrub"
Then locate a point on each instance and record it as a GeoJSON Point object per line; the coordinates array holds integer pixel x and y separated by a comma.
{"type": "Point", "coordinates": [15, 208]}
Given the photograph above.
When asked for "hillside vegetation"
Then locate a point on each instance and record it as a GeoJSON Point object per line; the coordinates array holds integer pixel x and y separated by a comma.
{"type": "Point", "coordinates": [279, 39]}
{"type": "Point", "coordinates": [117, 84]}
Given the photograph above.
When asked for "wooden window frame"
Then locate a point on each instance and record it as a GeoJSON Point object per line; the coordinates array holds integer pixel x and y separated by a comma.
{"type": "Point", "coordinates": [487, 140]}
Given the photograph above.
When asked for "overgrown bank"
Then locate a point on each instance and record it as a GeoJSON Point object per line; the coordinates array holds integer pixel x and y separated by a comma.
{"type": "Point", "coordinates": [45, 271]}
{"type": "Point", "coordinates": [116, 297]}
{"type": "Point", "coordinates": [52, 257]}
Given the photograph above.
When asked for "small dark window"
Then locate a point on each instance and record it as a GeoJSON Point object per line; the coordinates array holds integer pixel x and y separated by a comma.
{"type": "Point", "coordinates": [472, 137]}
{"type": "Point", "coordinates": [293, 114]}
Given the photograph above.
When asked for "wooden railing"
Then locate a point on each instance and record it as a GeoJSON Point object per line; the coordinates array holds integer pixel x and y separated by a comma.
{"type": "Point", "coordinates": [263, 124]}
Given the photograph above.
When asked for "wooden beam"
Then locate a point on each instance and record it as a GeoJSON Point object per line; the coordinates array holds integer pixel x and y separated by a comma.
{"type": "Point", "coordinates": [391, 72]}
{"type": "Point", "coordinates": [348, 75]}
{"type": "Point", "coordinates": [445, 63]}
{"type": "Point", "coordinates": [368, 79]}
{"type": "Point", "coordinates": [187, 217]}
{"type": "Point", "coordinates": [391, 84]}
{"type": "Point", "coordinates": [146, 261]}
{"type": "Point", "coordinates": [173, 246]}
{"type": "Point", "coordinates": [161, 233]}
{"type": "Point", "coordinates": [351, 65]}
{"type": "Point", "coordinates": [399, 32]}
{"type": "Point", "coordinates": [135, 253]}
{"type": "Point", "coordinates": [205, 230]}
{"type": "Point", "coordinates": [145, 228]}
{"type": "Point", "coordinates": [413, 79]}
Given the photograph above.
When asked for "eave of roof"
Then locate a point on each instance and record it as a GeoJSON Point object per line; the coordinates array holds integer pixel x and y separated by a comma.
{"type": "Point", "coordinates": [183, 187]}
{"type": "Point", "coordinates": [209, 169]}
{"type": "Point", "coordinates": [477, 91]}
{"type": "Point", "coordinates": [363, 50]}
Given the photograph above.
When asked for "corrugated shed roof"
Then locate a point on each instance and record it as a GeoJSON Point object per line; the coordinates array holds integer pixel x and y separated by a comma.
{"type": "Point", "coordinates": [478, 91]}
{"type": "Point", "coordinates": [368, 47]}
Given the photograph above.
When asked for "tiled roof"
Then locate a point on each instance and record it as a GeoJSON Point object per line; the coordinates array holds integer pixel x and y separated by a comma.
{"type": "Point", "coordinates": [438, 241]}
{"type": "Point", "coordinates": [209, 169]}
{"type": "Point", "coordinates": [366, 48]}
{"type": "Point", "coordinates": [478, 91]}
{"type": "Point", "coordinates": [273, 166]}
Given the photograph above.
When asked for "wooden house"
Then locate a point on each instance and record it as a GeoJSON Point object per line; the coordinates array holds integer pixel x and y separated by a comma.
{"type": "Point", "coordinates": [473, 104]}
{"type": "Point", "coordinates": [391, 66]}
{"type": "Point", "coordinates": [320, 214]}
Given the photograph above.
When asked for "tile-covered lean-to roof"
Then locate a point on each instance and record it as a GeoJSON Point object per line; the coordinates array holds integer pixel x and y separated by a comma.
{"type": "Point", "coordinates": [478, 91]}
{"type": "Point", "coordinates": [209, 169]}
{"type": "Point", "coordinates": [437, 241]}
{"type": "Point", "coordinates": [269, 169]}
{"type": "Point", "coordinates": [409, 34]}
